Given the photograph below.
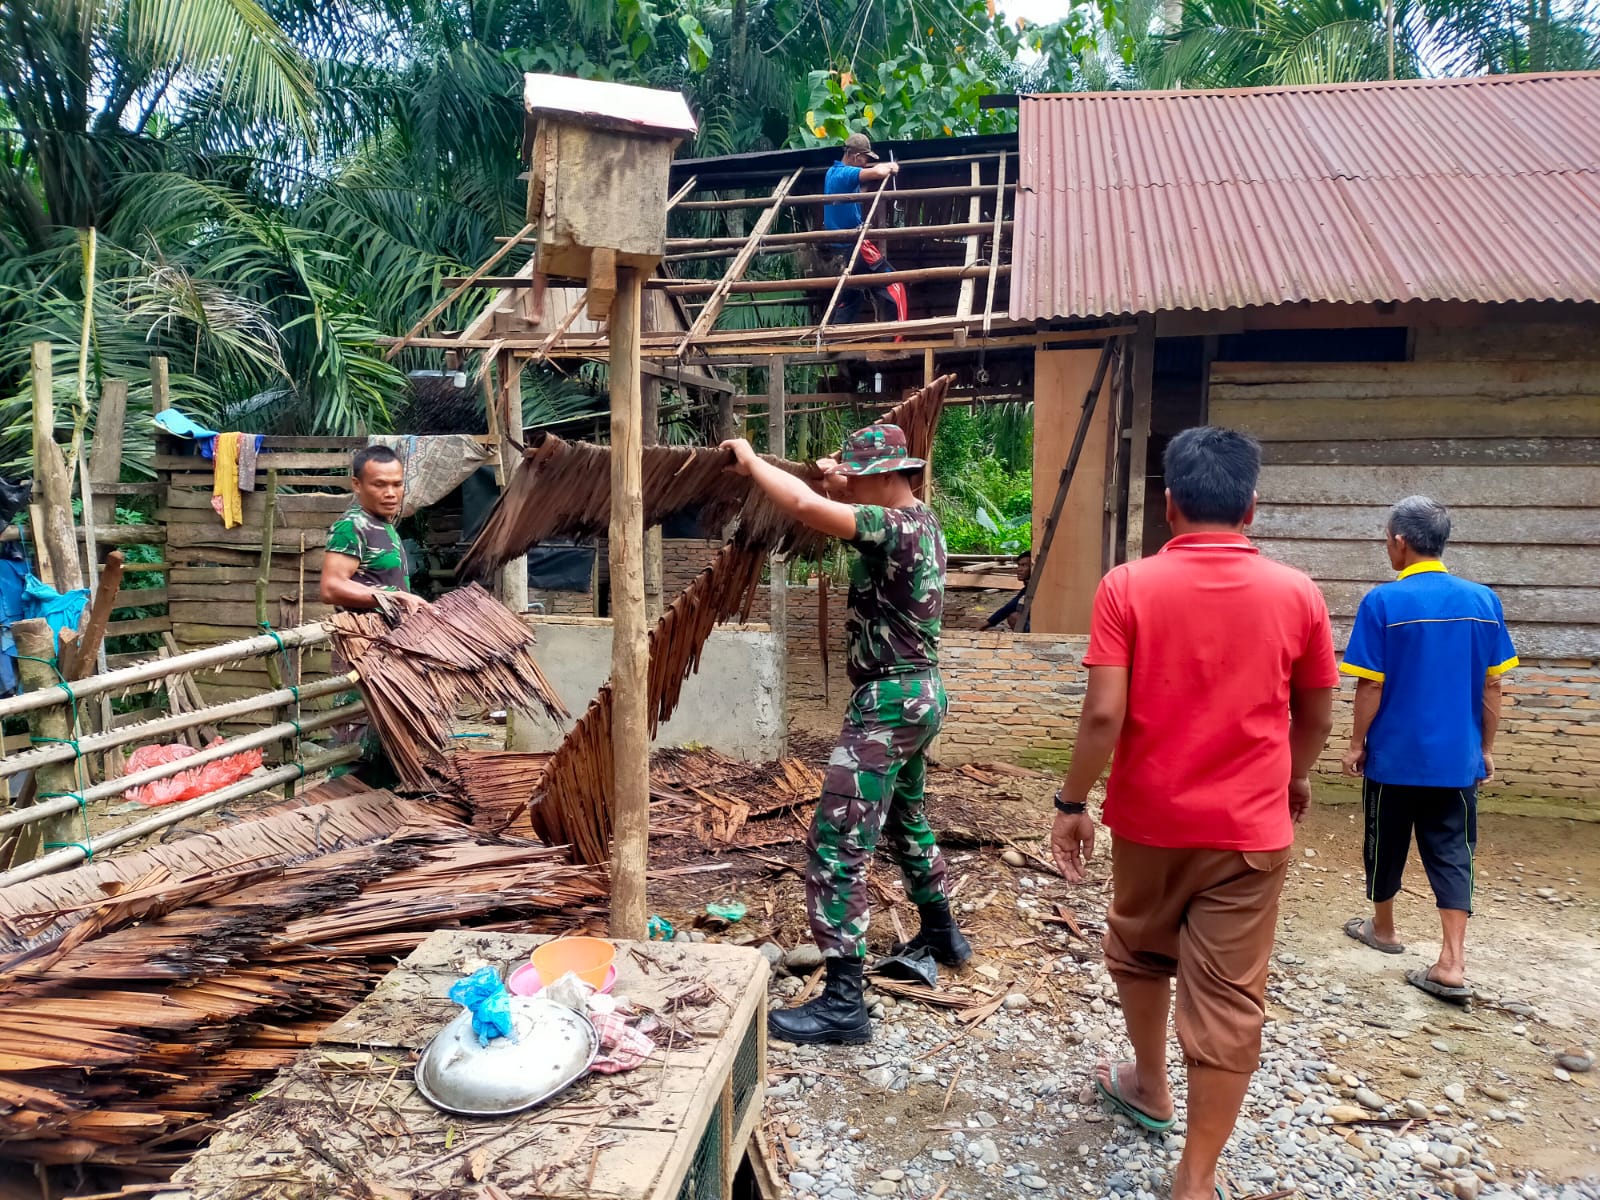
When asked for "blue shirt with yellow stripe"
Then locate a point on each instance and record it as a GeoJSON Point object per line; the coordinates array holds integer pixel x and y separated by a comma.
{"type": "Point", "coordinates": [1431, 640]}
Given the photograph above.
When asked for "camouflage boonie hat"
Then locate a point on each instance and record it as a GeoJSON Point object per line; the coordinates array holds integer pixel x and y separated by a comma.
{"type": "Point", "coordinates": [877, 450]}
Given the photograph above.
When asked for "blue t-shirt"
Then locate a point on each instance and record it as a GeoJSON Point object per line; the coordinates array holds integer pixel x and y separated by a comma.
{"type": "Point", "coordinates": [842, 180]}
{"type": "Point", "coordinates": [1431, 640]}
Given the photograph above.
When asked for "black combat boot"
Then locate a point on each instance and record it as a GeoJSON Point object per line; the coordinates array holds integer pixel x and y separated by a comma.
{"type": "Point", "coordinates": [939, 936]}
{"type": "Point", "coordinates": [838, 1015]}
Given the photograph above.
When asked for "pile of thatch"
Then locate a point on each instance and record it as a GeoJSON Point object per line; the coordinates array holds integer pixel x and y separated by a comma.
{"type": "Point", "coordinates": [465, 647]}
{"type": "Point", "coordinates": [141, 996]}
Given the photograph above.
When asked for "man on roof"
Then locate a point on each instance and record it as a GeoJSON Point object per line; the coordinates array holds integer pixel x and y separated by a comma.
{"type": "Point", "coordinates": [857, 167]}
{"type": "Point", "coordinates": [875, 778]}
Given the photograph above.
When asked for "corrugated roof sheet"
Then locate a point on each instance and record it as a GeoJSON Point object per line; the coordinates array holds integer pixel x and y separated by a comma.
{"type": "Point", "coordinates": [1481, 189]}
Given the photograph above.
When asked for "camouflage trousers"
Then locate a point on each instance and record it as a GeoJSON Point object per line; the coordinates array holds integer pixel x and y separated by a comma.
{"type": "Point", "coordinates": [874, 785]}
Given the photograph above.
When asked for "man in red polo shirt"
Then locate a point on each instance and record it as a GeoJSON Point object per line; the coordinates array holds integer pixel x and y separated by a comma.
{"type": "Point", "coordinates": [1211, 674]}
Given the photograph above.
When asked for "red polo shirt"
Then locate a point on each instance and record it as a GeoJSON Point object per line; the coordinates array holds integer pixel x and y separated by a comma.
{"type": "Point", "coordinates": [1213, 636]}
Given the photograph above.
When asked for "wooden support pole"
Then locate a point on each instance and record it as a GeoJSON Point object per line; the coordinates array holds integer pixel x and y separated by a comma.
{"type": "Point", "coordinates": [630, 629]}
{"type": "Point", "coordinates": [36, 655]}
{"type": "Point", "coordinates": [650, 435]}
{"type": "Point", "coordinates": [105, 453]}
{"type": "Point", "coordinates": [778, 444]}
{"type": "Point", "coordinates": [160, 390]}
{"type": "Point", "coordinates": [87, 651]}
{"type": "Point", "coordinates": [514, 575]}
{"type": "Point", "coordinates": [976, 228]}
{"type": "Point", "coordinates": [1144, 355]}
{"type": "Point", "coordinates": [54, 492]}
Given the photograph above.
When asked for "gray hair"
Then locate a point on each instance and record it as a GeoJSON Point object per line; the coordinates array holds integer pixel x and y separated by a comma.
{"type": "Point", "coordinates": [1424, 523]}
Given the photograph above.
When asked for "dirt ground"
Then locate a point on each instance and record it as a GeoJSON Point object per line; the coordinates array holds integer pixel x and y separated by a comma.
{"type": "Point", "coordinates": [1534, 957]}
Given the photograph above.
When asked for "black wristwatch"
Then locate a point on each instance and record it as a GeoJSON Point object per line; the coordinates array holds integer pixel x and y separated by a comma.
{"type": "Point", "coordinates": [1073, 808]}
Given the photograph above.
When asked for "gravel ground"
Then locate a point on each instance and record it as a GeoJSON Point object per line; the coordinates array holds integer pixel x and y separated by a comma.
{"type": "Point", "coordinates": [1368, 1088]}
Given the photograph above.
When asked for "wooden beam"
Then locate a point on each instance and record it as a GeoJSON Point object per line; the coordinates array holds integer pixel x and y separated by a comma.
{"type": "Point", "coordinates": [974, 211]}
{"type": "Point", "coordinates": [737, 268]}
{"type": "Point", "coordinates": [54, 492]}
{"type": "Point", "coordinates": [996, 252]}
{"type": "Point", "coordinates": [818, 283]}
{"type": "Point", "coordinates": [630, 632]}
{"type": "Point", "coordinates": [602, 283]}
{"type": "Point", "coordinates": [927, 193]}
{"type": "Point", "coordinates": [105, 454]}
{"type": "Point", "coordinates": [1144, 355]}
{"type": "Point", "coordinates": [455, 293]}
{"type": "Point", "coordinates": [692, 249]}
{"type": "Point", "coordinates": [514, 575]}
{"type": "Point", "coordinates": [777, 564]}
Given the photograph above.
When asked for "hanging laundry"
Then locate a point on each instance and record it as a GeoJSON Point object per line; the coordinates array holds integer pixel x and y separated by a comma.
{"type": "Point", "coordinates": [225, 497]}
{"type": "Point", "coordinates": [176, 423]}
{"type": "Point", "coordinates": [62, 610]}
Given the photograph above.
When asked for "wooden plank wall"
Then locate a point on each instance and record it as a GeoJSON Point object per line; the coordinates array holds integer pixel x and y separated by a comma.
{"type": "Point", "coordinates": [1511, 445]}
{"type": "Point", "coordinates": [1065, 596]}
{"type": "Point", "coordinates": [212, 571]}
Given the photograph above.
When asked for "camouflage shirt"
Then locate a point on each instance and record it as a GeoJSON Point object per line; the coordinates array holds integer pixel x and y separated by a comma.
{"type": "Point", "coordinates": [375, 546]}
{"type": "Point", "coordinates": [896, 593]}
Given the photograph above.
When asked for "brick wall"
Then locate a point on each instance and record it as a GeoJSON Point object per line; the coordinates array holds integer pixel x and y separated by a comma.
{"type": "Point", "coordinates": [1016, 698]}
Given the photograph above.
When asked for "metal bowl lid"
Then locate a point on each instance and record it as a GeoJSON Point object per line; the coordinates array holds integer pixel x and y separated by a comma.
{"type": "Point", "coordinates": [554, 1047]}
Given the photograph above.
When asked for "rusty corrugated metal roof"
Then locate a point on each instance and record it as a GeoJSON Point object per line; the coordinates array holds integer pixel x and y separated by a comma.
{"type": "Point", "coordinates": [1483, 189]}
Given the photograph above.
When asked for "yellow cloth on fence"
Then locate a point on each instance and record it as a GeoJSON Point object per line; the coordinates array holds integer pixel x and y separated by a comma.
{"type": "Point", "coordinates": [225, 480]}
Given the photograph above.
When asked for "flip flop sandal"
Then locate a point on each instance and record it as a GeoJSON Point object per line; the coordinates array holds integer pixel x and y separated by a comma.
{"type": "Point", "coordinates": [1419, 978]}
{"type": "Point", "coordinates": [1113, 1096]}
{"type": "Point", "coordinates": [1360, 928]}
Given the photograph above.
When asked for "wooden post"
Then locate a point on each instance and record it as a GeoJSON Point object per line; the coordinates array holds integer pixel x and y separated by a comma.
{"type": "Point", "coordinates": [514, 576]}
{"type": "Point", "coordinates": [105, 455]}
{"type": "Point", "coordinates": [160, 392]}
{"type": "Point", "coordinates": [1144, 354]}
{"type": "Point", "coordinates": [726, 426]}
{"type": "Point", "coordinates": [650, 435]}
{"type": "Point", "coordinates": [55, 487]}
{"type": "Point", "coordinates": [778, 444]}
{"type": "Point", "coordinates": [36, 653]}
{"type": "Point", "coordinates": [630, 629]}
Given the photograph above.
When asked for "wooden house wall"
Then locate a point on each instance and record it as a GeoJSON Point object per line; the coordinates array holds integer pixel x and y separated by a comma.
{"type": "Point", "coordinates": [212, 571]}
{"type": "Point", "coordinates": [1503, 426]}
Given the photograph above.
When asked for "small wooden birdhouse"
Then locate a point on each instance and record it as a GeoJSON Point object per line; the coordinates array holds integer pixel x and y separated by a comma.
{"type": "Point", "coordinates": [598, 157]}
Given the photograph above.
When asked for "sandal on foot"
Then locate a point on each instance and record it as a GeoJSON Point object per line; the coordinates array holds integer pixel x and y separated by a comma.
{"type": "Point", "coordinates": [1360, 928]}
{"type": "Point", "coordinates": [1113, 1096]}
{"type": "Point", "coordinates": [1421, 979]}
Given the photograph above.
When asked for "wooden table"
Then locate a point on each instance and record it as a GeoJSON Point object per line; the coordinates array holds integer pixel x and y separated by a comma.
{"type": "Point", "coordinates": [346, 1120]}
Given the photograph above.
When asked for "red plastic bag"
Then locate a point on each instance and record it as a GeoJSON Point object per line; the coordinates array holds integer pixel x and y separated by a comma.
{"type": "Point", "coordinates": [187, 785]}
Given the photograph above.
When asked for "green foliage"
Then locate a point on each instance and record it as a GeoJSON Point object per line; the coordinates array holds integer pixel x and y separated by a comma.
{"type": "Point", "coordinates": [983, 497]}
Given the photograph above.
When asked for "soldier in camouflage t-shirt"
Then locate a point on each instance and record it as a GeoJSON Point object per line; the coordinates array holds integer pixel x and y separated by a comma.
{"type": "Point", "coordinates": [364, 566]}
{"type": "Point", "coordinates": [875, 778]}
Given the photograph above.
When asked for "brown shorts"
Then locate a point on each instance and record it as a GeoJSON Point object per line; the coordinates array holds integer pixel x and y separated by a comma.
{"type": "Point", "coordinates": [1208, 917]}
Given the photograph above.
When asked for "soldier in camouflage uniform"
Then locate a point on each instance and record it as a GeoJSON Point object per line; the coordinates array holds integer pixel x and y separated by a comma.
{"type": "Point", "coordinates": [364, 566]}
{"type": "Point", "coordinates": [875, 778]}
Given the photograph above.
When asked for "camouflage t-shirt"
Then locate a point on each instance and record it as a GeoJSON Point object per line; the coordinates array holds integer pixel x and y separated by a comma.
{"type": "Point", "coordinates": [375, 545]}
{"type": "Point", "coordinates": [896, 593]}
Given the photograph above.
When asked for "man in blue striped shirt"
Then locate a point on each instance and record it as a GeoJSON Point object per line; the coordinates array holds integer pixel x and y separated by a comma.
{"type": "Point", "coordinates": [1428, 652]}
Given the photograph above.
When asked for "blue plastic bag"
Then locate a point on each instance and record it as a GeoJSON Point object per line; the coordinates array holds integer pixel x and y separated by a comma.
{"type": "Point", "coordinates": [484, 995]}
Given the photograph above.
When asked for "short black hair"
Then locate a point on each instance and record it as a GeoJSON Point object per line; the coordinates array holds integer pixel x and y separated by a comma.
{"type": "Point", "coordinates": [1212, 474]}
{"type": "Point", "coordinates": [1025, 554]}
{"type": "Point", "coordinates": [370, 454]}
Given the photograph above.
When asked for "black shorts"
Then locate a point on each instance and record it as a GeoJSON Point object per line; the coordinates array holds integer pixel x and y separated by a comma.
{"type": "Point", "coordinates": [1446, 824]}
